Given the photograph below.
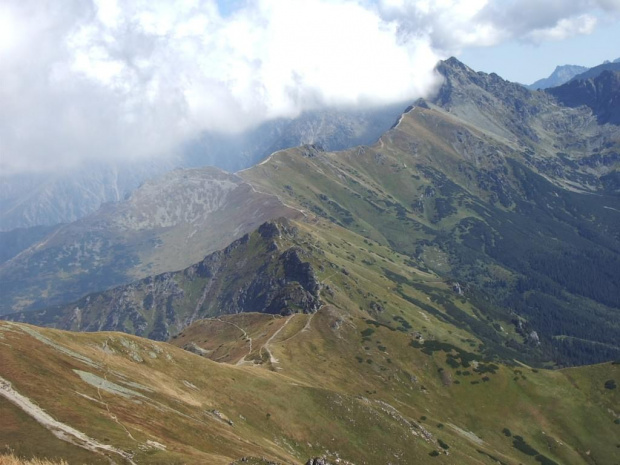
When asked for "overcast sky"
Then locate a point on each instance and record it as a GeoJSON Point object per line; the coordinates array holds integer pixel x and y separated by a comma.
{"type": "Point", "coordinates": [96, 79]}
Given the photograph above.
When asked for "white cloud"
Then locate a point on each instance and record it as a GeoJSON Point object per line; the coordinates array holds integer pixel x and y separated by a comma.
{"type": "Point", "coordinates": [113, 79]}
{"type": "Point", "coordinates": [563, 29]}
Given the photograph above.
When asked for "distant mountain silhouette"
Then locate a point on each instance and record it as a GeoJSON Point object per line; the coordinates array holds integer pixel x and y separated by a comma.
{"type": "Point", "coordinates": [560, 75]}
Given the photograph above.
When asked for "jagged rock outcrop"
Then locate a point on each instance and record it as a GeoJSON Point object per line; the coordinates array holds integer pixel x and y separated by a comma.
{"type": "Point", "coordinates": [318, 461]}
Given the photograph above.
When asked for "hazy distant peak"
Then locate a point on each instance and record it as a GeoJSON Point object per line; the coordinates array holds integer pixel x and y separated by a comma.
{"type": "Point", "coordinates": [560, 75]}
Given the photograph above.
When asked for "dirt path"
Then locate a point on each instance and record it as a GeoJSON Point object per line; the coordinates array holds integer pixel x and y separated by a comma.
{"type": "Point", "coordinates": [265, 346]}
{"type": "Point", "coordinates": [60, 430]}
{"type": "Point", "coordinates": [242, 360]}
{"type": "Point", "coordinates": [277, 197]}
{"type": "Point", "coordinates": [306, 327]}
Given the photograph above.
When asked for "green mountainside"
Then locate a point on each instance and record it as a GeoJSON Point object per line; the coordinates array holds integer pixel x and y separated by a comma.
{"type": "Point", "coordinates": [496, 190]}
{"type": "Point", "coordinates": [534, 243]}
{"type": "Point", "coordinates": [418, 305]}
{"type": "Point", "coordinates": [334, 384]}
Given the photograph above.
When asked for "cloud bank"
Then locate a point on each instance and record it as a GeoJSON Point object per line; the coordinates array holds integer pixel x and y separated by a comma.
{"type": "Point", "coordinates": [104, 80]}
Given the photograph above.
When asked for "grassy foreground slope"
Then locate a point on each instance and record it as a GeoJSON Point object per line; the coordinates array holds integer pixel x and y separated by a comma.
{"type": "Point", "coordinates": [379, 374]}
{"type": "Point", "coordinates": [154, 403]}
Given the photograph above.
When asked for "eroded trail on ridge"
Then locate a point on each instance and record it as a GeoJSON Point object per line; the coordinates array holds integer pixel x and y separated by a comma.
{"type": "Point", "coordinates": [265, 346]}
{"type": "Point", "coordinates": [60, 430]}
{"type": "Point", "coordinates": [242, 360]}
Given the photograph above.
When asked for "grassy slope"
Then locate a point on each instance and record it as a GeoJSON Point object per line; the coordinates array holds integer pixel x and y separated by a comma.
{"type": "Point", "coordinates": [393, 363]}
{"type": "Point", "coordinates": [320, 400]}
{"type": "Point", "coordinates": [562, 414]}
{"type": "Point", "coordinates": [463, 204]}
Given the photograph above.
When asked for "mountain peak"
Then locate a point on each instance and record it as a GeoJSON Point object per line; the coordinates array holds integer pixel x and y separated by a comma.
{"type": "Point", "coordinates": [451, 65]}
{"type": "Point", "coordinates": [561, 74]}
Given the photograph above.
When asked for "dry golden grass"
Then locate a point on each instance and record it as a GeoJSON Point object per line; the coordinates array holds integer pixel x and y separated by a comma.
{"type": "Point", "coordinates": [11, 459]}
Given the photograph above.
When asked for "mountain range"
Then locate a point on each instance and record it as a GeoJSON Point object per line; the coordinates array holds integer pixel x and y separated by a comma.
{"type": "Point", "coordinates": [447, 293]}
{"type": "Point", "coordinates": [47, 199]}
{"type": "Point", "coordinates": [565, 73]}
{"type": "Point", "coordinates": [167, 224]}
{"type": "Point", "coordinates": [457, 186]}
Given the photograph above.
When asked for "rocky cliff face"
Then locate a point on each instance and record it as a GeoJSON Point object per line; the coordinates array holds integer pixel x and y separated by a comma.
{"type": "Point", "coordinates": [260, 272]}
{"type": "Point", "coordinates": [601, 94]}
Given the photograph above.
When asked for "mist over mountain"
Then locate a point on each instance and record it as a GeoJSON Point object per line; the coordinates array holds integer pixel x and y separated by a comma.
{"type": "Point", "coordinates": [125, 81]}
{"type": "Point", "coordinates": [32, 199]}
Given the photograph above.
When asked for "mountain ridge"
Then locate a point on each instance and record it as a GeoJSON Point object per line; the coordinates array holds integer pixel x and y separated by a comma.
{"type": "Point", "coordinates": [458, 185]}
{"type": "Point", "coordinates": [560, 75]}
{"type": "Point", "coordinates": [48, 199]}
{"type": "Point", "coordinates": [165, 225]}
{"type": "Point", "coordinates": [597, 70]}
{"type": "Point", "coordinates": [600, 93]}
